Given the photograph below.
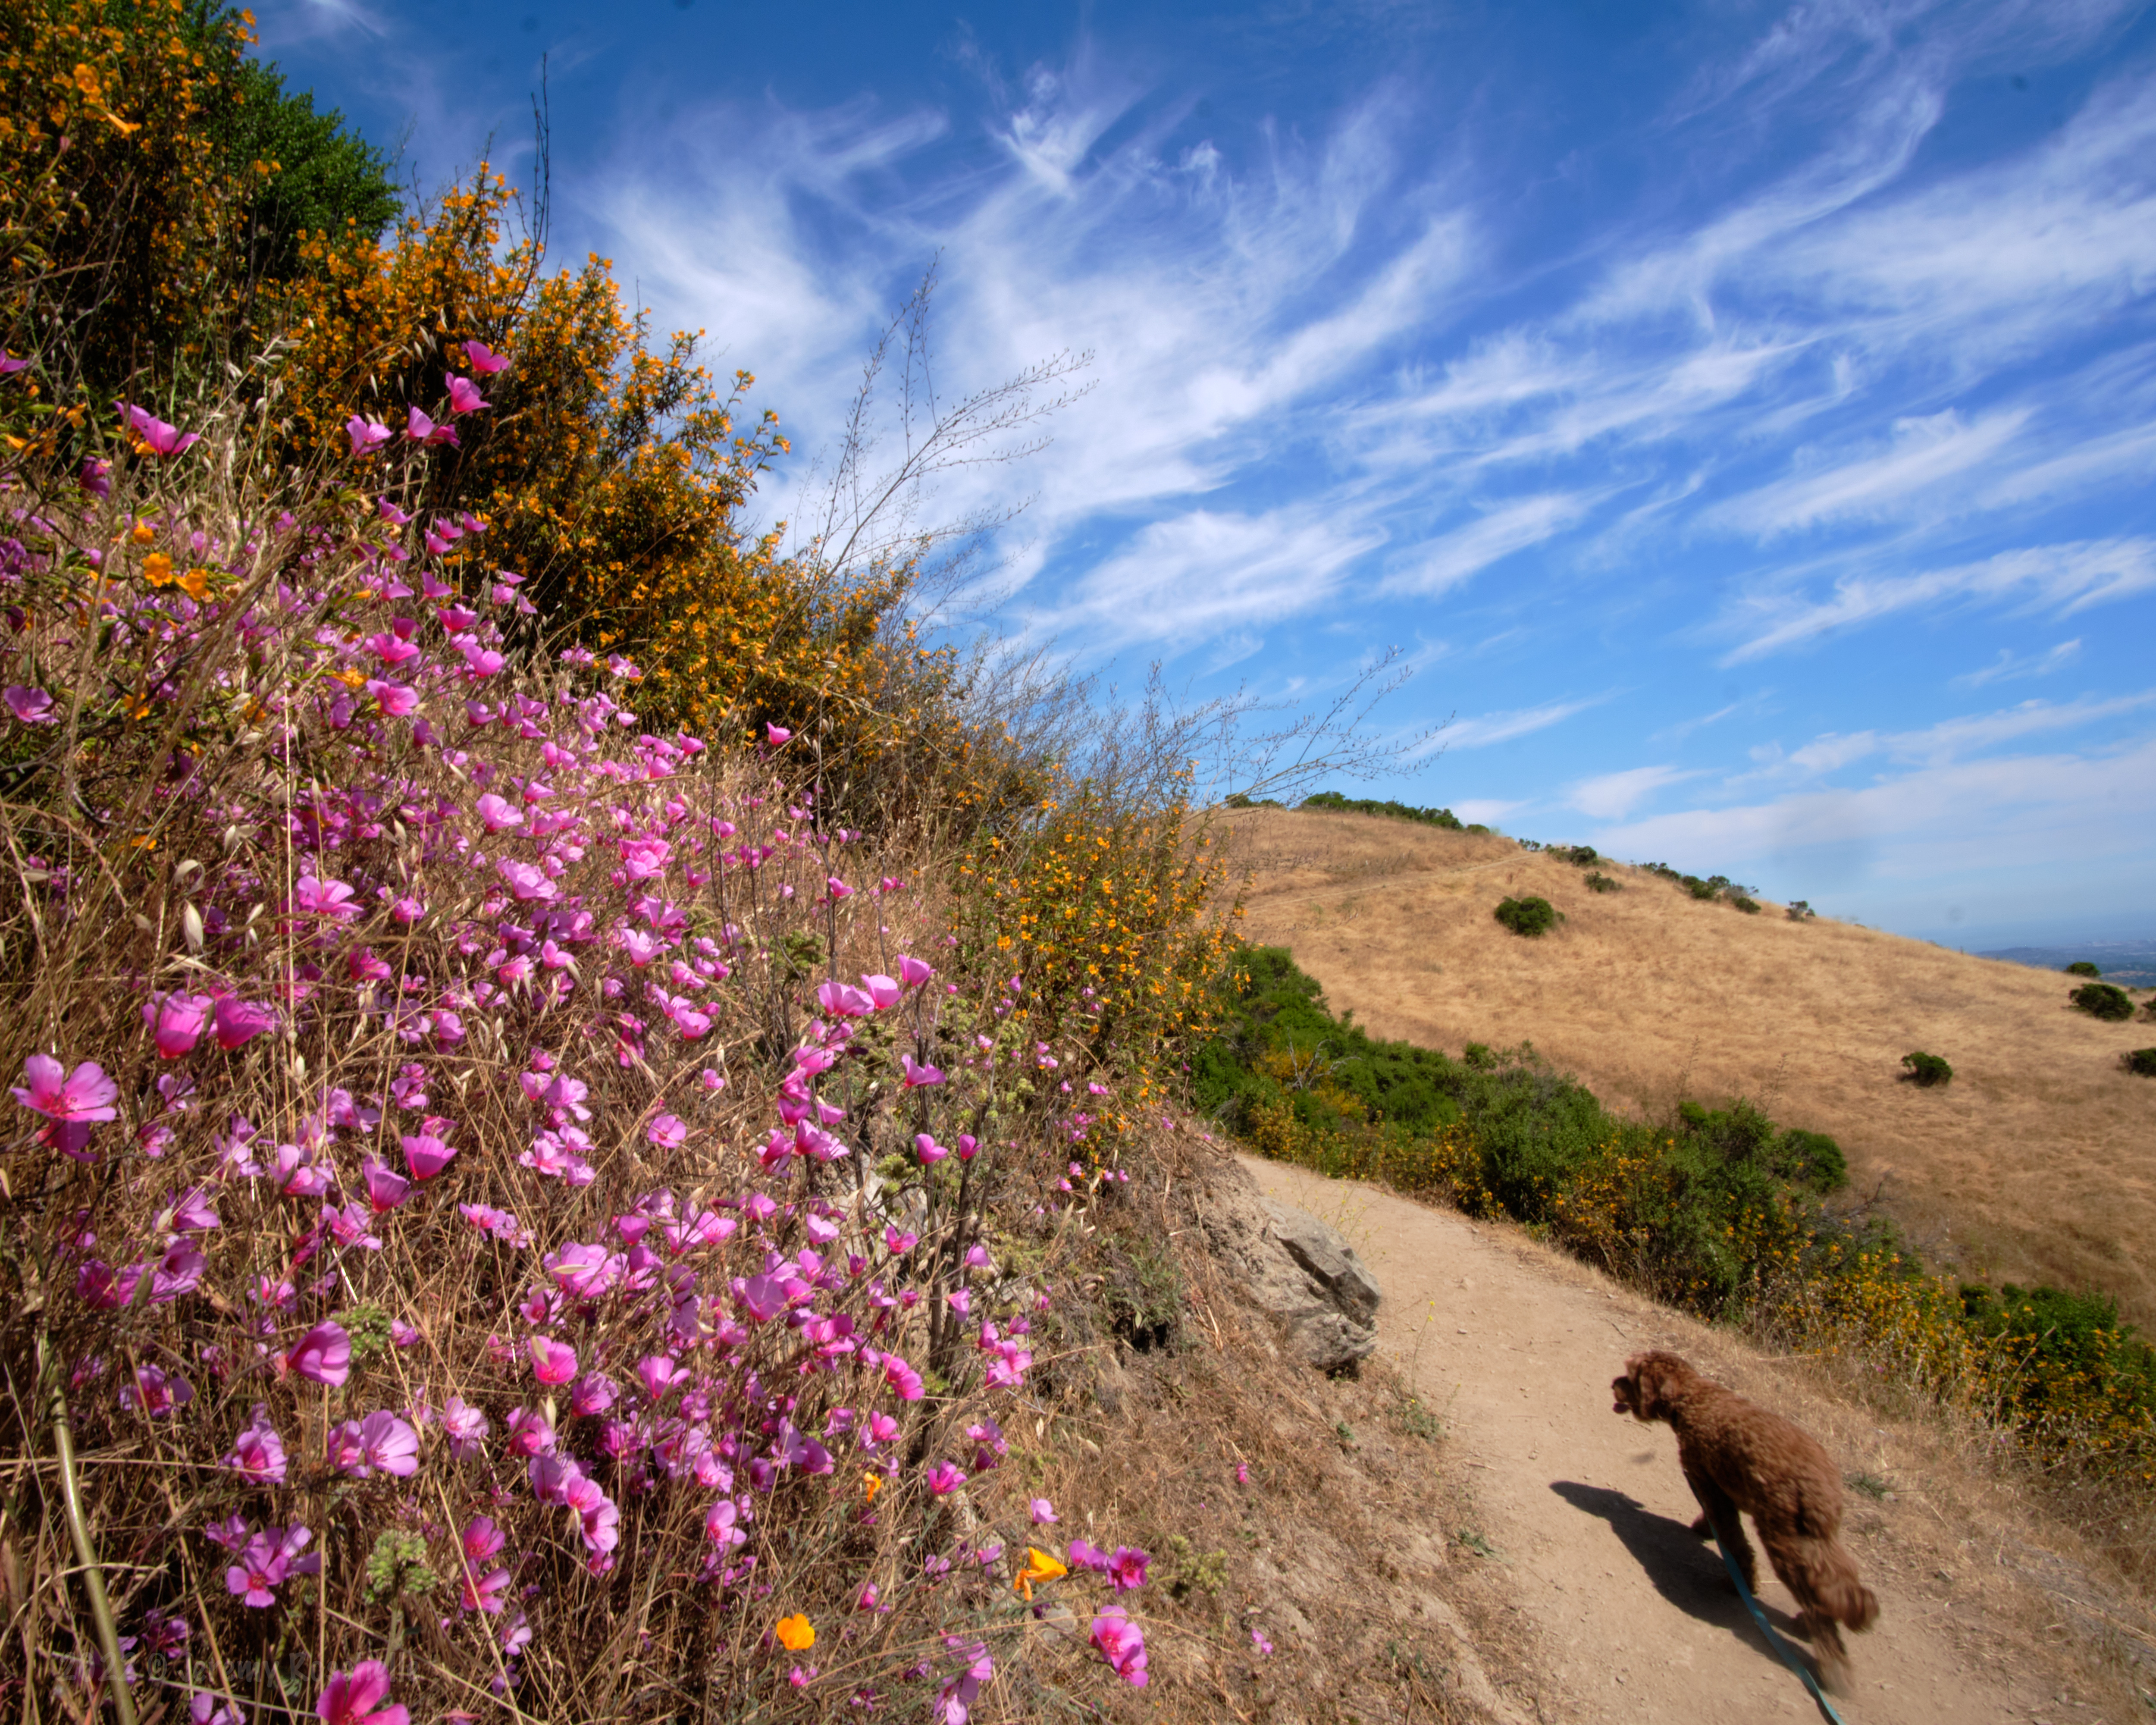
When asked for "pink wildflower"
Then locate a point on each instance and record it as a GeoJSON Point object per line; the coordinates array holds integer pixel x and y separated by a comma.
{"type": "Point", "coordinates": [367, 435]}
{"type": "Point", "coordinates": [668, 1132]}
{"type": "Point", "coordinates": [389, 1444]}
{"type": "Point", "coordinates": [323, 1355]}
{"type": "Point", "coordinates": [422, 430]}
{"type": "Point", "coordinates": [239, 1022]}
{"type": "Point", "coordinates": [464, 395]}
{"type": "Point", "coordinates": [484, 359]}
{"type": "Point", "coordinates": [465, 1428]}
{"type": "Point", "coordinates": [918, 1073]}
{"type": "Point", "coordinates": [913, 972]}
{"type": "Point", "coordinates": [33, 707]}
{"type": "Point", "coordinates": [1121, 1643]}
{"type": "Point", "coordinates": [156, 1393]}
{"type": "Point", "coordinates": [426, 1155]}
{"type": "Point", "coordinates": [930, 1152]}
{"type": "Point", "coordinates": [1127, 1569]}
{"type": "Point", "coordinates": [552, 1362]}
{"type": "Point", "coordinates": [358, 1698]}
{"type": "Point", "coordinates": [385, 1189]}
{"type": "Point", "coordinates": [153, 436]}
{"type": "Point", "coordinates": [271, 1556]}
{"type": "Point", "coordinates": [943, 1479]}
{"type": "Point", "coordinates": [258, 1452]}
{"type": "Point", "coordinates": [74, 1104]}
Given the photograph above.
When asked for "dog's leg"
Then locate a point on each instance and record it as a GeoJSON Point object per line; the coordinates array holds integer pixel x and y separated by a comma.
{"type": "Point", "coordinates": [1820, 1573]}
{"type": "Point", "coordinates": [1722, 1523]}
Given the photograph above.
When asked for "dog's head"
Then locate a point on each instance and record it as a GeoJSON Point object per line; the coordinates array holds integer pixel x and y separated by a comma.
{"type": "Point", "coordinates": [1650, 1382]}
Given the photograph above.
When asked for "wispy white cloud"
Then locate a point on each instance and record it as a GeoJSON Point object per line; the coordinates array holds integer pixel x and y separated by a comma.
{"type": "Point", "coordinates": [2012, 667]}
{"type": "Point", "coordinates": [1919, 454]}
{"type": "Point", "coordinates": [1952, 739]}
{"type": "Point", "coordinates": [1612, 796]}
{"type": "Point", "coordinates": [1484, 811]}
{"type": "Point", "coordinates": [1507, 527]}
{"type": "Point", "coordinates": [1186, 580]}
{"type": "Point", "coordinates": [1956, 817]}
{"type": "Point", "coordinates": [1948, 739]}
{"type": "Point", "coordinates": [2065, 578]}
{"type": "Point", "coordinates": [1488, 728]}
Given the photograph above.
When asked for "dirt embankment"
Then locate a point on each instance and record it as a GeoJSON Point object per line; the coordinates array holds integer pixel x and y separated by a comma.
{"type": "Point", "coordinates": [2037, 1162]}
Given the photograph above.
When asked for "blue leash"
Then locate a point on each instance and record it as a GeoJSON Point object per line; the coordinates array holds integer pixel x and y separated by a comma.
{"type": "Point", "coordinates": [1767, 1629]}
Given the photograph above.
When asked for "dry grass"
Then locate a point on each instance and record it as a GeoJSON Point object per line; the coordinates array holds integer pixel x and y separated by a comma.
{"type": "Point", "coordinates": [1335, 1548]}
{"type": "Point", "coordinates": [2038, 1162]}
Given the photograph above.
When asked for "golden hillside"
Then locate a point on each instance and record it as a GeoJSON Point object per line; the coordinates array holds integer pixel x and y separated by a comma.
{"type": "Point", "coordinates": [2038, 1162]}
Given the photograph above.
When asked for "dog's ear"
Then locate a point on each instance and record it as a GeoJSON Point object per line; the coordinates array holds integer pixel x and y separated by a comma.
{"type": "Point", "coordinates": [1626, 1389]}
{"type": "Point", "coordinates": [1652, 1376]}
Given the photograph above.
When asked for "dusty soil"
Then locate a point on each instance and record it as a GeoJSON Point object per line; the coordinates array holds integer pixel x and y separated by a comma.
{"type": "Point", "coordinates": [2037, 1162]}
{"type": "Point", "coordinates": [1577, 1519]}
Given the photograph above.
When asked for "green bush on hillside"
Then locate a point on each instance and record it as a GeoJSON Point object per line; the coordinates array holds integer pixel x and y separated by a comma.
{"type": "Point", "coordinates": [1799, 911]}
{"type": "Point", "coordinates": [2081, 967]}
{"type": "Point", "coordinates": [2142, 1060]}
{"type": "Point", "coordinates": [2103, 1000]}
{"type": "Point", "coordinates": [2052, 1337]}
{"type": "Point", "coordinates": [1741, 1134]}
{"type": "Point", "coordinates": [1927, 1070]}
{"type": "Point", "coordinates": [1597, 882]}
{"type": "Point", "coordinates": [1528, 916]}
{"type": "Point", "coordinates": [1579, 856]}
{"type": "Point", "coordinates": [1339, 804]}
{"type": "Point", "coordinates": [1746, 903]}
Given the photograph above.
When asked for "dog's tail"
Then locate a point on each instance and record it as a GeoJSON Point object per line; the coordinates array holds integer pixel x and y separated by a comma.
{"type": "Point", "coordinates": [1840, 1591]}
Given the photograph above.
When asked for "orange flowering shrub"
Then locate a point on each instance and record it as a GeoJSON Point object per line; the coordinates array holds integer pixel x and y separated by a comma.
{"type": "Point", "coordinates": [610, 468]}
{"type": "Point", "coordinates": [153, 181]}
{"type": "Point", "coordinates": [1104, 915]}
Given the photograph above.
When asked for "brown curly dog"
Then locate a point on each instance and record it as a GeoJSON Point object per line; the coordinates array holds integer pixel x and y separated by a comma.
{"type": "Point", "coordinates": [1736, 1456]}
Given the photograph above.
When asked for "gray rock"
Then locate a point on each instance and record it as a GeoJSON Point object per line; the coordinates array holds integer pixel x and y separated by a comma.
{"type": "Point", "coordinates": [1295, 1267]}
{"type": "Point", "coordinates": [1327, 1259]}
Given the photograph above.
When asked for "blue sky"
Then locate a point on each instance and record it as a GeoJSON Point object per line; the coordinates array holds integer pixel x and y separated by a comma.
{"type": "Point", "coordinates": [1741, 416]}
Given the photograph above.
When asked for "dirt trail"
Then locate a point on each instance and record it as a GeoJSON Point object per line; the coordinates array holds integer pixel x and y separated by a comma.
{"type": "Point", "coordinates": [1629, 1617]}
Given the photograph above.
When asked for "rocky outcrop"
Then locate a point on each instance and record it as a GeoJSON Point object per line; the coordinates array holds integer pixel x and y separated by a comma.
{"type": "Point", "coordinates": [1295, 1268]}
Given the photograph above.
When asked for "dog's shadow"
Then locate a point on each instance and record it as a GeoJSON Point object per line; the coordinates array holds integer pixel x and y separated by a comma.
{"type": "Point", "coordinates": [1687, 1570]}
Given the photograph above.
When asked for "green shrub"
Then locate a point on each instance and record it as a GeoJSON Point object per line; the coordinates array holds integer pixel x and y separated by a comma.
{"type": "Point", "coordinates": [1528, 916]}
{"type": "Point", "coordinates": [1749, 906]}
{"type": "Point", "coordinates": [1597, 882]}
{"type": "Point", "coordinates": [2140, 1059]}
{"type": "Point", "coordinates": [2103, 1000]}
{"type": "Point", "coordinates": [1339, 804]}
{"type": "Point", "coordinates": [1740, 1136]}
{"type": "Point", "coordinates": [2058, 1343]}
{"type": "Point", "coordinates": [2081, 967]}
{"type": "Point", "coordinates": [1799, 911]}
{"type": "Point", "coordinates": [1579, 856]}
{"type": "Point", "coordinates": [1476, 826]}
{"type": "Point", "coordinates": [1927, 1070]}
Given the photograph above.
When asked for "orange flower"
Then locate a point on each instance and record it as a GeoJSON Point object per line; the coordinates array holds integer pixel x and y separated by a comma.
{"type": "Point", "coordinates": [157, 569]}
{"type": "Point", "coordinates": [871, 1483]}
{"type": "Point", "coordinates": [796, 1633]}
{"type": "Point", "coordinates": [1039, 1567]}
